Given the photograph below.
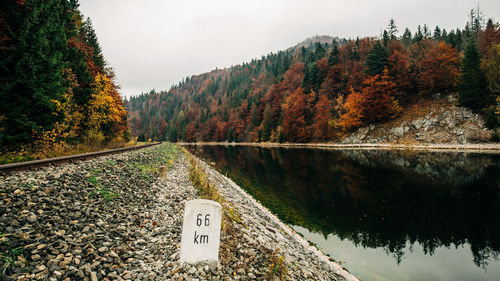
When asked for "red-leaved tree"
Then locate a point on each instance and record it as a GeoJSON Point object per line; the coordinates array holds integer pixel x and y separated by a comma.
{"type": "Point", "coordinates": [439, 69]}
{"type": "Point", "coordinates": [321, 121]}
{"type": "Point", "coordinates": [294, 112]}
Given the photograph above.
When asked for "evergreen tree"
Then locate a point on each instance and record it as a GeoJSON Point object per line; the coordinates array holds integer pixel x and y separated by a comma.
{"type": "Point", "coordinates": [476, 20]}
{"type": "Point", "coordinates": [406, 38]}
{"type": "Point", "coordinates": [74, 5]}
{"type": "Point", "coordinates": [393, 29]}
{"type": "Point", "coordinates": [377, 59]}
{"type": "Point", "coordinates": [319, 51]}
{"type": "Point", "coordinates": [426, 31]}
{"type": "Point", "coordinates": [333, 56]}
{"type": "Point", "coordinates": [267, 123]}
{"type": "Point", "coordinates": [354, 51]}
{"type": "Point", "coordinates": [385, 38]}
{"type": "Point", "coordinates": [76, 58]}
{"type": "Point", "coordinates": [473, 87]}
{"type": "Point", "coordinates": [310, 73]}
{"type": "Point", "coordinates": [312, 78]}
{"type": "Point", "coordinates": [451, 39]}
{"type": "Point", "coordinates": [91, 40]}
{"type": "Point", "coordinates": [303, 53]}
{"type": "Point", "coordinates": [437, 33]}
{"type": "Point", "coordinates": [35, 83]}
{"type": "Point", "coordinates": [444, 34]}
{"type": "Point", "coordinates": [284, 64]}
{"type": "Point", "coordinates": [255, 115]}
{"type": "Point", "coordinates": [418, 35]}
{"type": "Point", "coordinates": [317, 78]}
{"type": "Point", "coordinates": [459, 38]}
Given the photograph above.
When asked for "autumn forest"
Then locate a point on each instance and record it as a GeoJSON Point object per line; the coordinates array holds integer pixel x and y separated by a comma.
{"type": "Point", "coordinates": [326, 87]}
{"type": "Point", "coordinates": [56, 89]}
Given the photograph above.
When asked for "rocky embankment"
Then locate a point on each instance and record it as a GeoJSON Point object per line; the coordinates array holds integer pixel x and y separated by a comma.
{"type": "Point", "coordinates": [114, 218]}
{"type": "Point", "coordinates": [438, 120]}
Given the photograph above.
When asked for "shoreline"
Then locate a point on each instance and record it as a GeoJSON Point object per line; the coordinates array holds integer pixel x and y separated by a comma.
{"type": "Point", "coordinates": [234, 193]}
{"type": "Point", "coordinates": [441, 147]}
{"type": "Point", "coordinates": [117, 217]}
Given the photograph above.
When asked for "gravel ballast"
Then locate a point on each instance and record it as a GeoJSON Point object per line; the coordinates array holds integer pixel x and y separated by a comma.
{"type": "Point", "coordinates": [115, 218]}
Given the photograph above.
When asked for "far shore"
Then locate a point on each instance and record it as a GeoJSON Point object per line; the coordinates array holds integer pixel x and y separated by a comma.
{"type": "Point", "coordinates": [472, 147]}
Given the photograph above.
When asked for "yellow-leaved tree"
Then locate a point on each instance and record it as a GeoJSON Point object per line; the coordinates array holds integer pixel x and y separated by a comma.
{"type": "Point", "coordinates": [106, 114]}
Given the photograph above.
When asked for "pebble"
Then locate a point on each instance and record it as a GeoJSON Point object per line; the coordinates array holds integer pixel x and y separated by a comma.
{"type": "Point", "coordinates": [93, 276]}
{"type": "Point", "coordinates": [109, 218]}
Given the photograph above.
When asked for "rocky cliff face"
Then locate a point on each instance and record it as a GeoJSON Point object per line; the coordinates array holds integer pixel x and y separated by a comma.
{"type": "Point", "coordinates": [438, 120]}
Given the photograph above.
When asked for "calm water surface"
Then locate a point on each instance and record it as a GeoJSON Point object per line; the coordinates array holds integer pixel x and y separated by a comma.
{"type": "Point", "coordinates": [384, 215]}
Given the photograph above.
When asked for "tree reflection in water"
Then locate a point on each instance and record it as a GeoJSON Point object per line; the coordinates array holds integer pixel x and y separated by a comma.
{"type": "Point", "coordinates": [375, 198]}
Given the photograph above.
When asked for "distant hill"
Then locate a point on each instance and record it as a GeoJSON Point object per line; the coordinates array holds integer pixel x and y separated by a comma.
{"type": "Point", "coordinates": [323, 88]}
{"type": "Point", "coordinates": [323, 39]}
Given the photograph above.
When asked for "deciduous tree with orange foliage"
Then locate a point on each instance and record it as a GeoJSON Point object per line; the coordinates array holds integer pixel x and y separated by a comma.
{"type": "Point", "coordinates": [374, 103]}
{"type": "Point", "coordinates": [351, 110]}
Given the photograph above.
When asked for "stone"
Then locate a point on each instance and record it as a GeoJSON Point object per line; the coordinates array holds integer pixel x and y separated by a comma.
{"type": "Point", "coordinates": [86, 268]}
{"type": "Point", "coordinates": [201, 232]}
{"type": "Point", "coordinates": [32, 218]}
{"type": "Point", "coordinates": [93, 276]}
{"type": "Point", "coordinates": [162, 171]}
{"type": "Point", "coordinates": [398, 131]}
{"type": "Point", "coordinates": [65, 262]}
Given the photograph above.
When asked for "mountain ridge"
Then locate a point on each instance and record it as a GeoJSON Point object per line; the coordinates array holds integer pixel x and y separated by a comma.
{"type": "Point", "coordinates": [322, 88]}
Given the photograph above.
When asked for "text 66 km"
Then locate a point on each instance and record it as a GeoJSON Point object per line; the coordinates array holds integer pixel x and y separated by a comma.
{"type": "Point", "coordinates": [199, 220]}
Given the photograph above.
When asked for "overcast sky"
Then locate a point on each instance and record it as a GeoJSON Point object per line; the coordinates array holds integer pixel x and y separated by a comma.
{"type": "Point", "coordinates": [153, 44]}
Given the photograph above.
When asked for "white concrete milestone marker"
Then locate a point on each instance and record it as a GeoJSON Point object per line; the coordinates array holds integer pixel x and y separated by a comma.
{"type": "Point", "coordinates": [201, 231]}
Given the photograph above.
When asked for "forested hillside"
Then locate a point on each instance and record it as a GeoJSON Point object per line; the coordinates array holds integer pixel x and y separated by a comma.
{"type": "Point", "coordinates": [317, 91]}
{"type": "Point", "coordinates": [55, 86]}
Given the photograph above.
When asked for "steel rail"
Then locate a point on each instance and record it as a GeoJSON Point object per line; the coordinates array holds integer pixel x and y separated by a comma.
{"type": "Point", "coordinates": [28, 165]}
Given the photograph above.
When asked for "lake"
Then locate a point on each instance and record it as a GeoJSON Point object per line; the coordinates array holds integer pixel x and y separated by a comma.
{"type": "Point", "coordinates": [383, 215]}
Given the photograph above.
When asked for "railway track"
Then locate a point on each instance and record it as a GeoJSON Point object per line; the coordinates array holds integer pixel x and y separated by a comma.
{"type": "Point", "coordinates": [29, 165]}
